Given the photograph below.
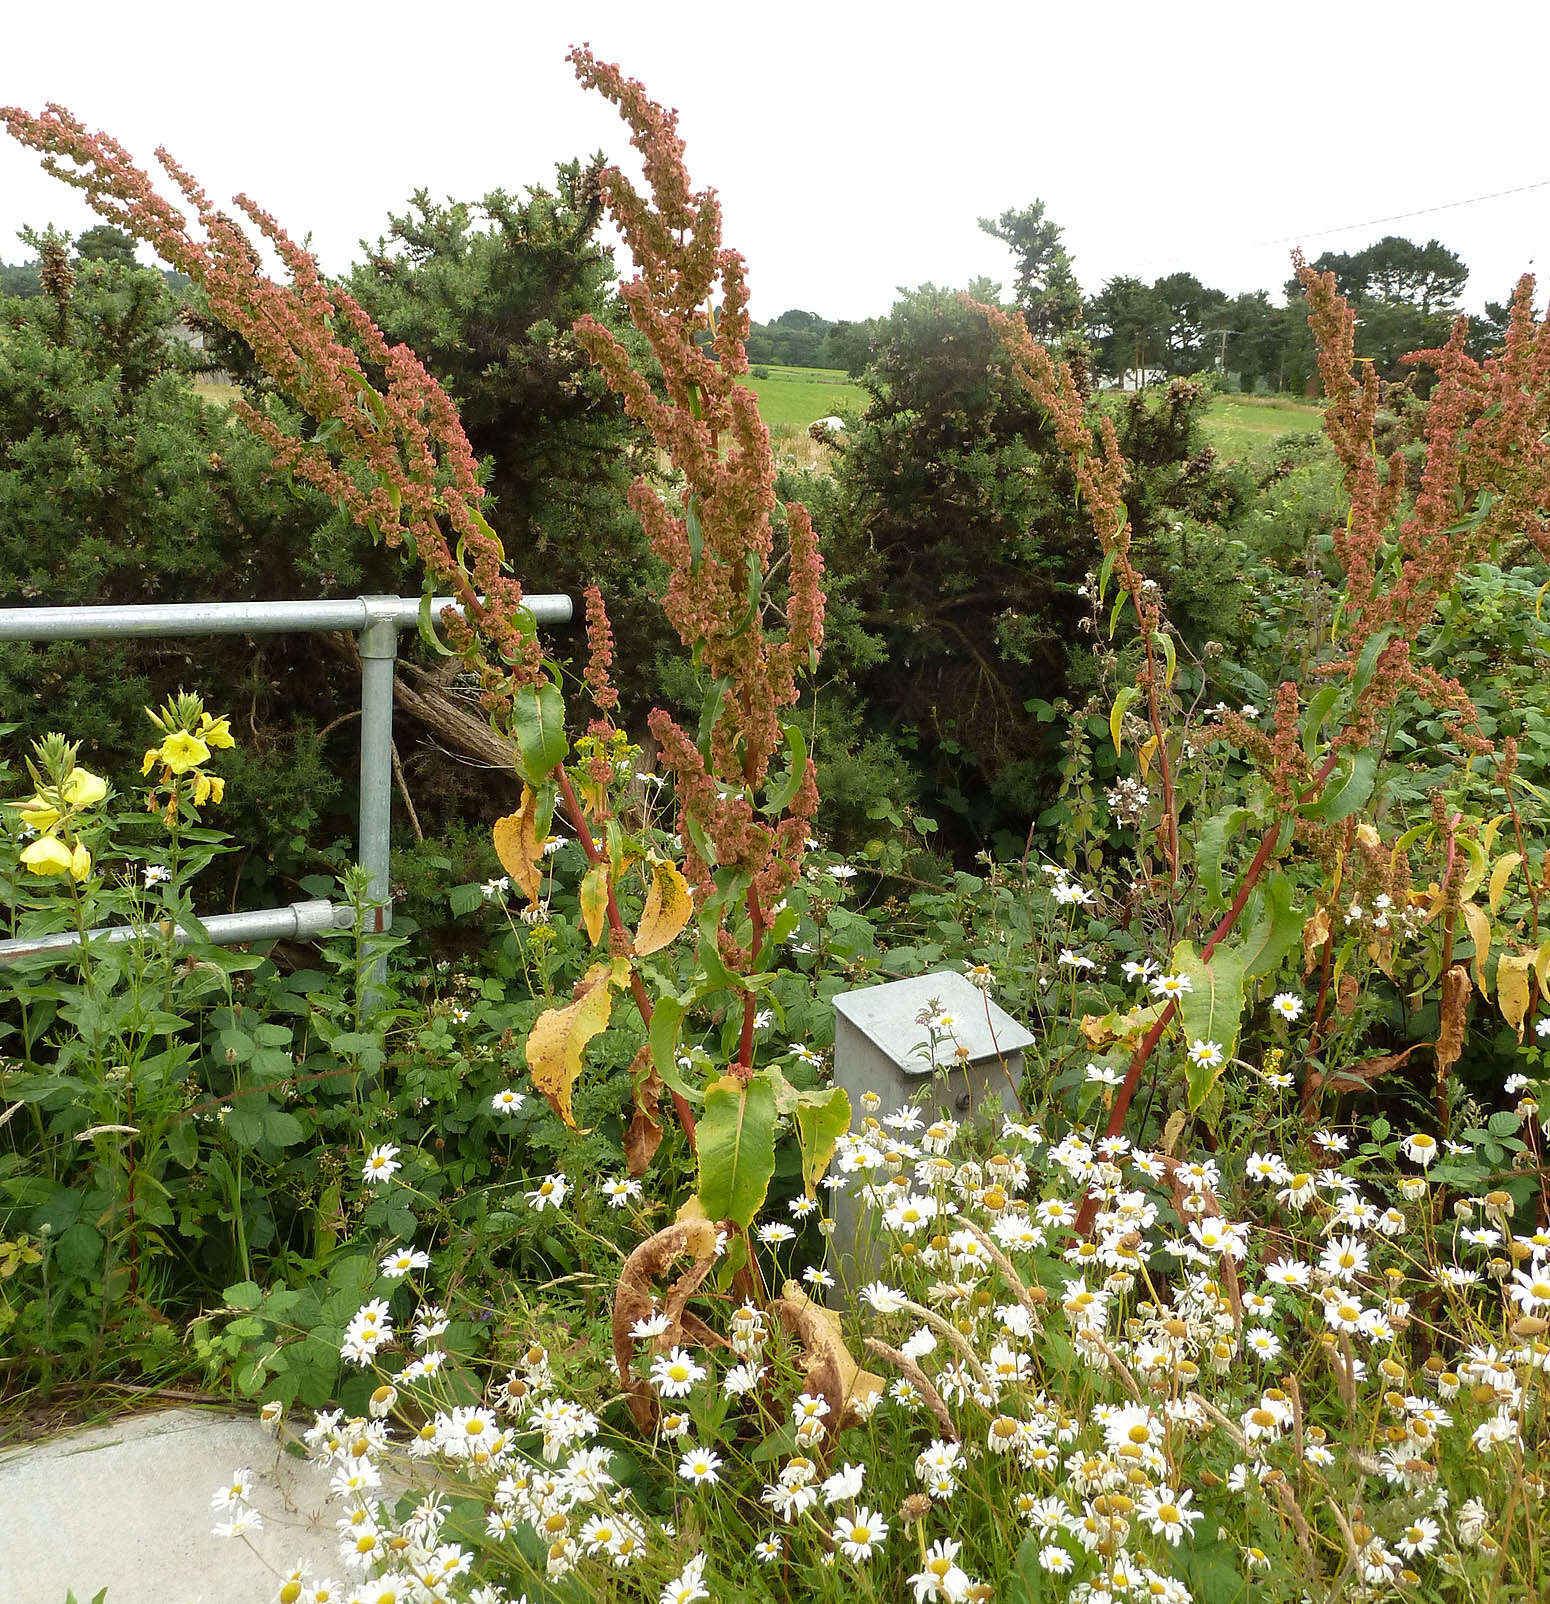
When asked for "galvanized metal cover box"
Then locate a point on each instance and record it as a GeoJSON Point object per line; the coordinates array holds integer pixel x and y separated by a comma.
{"type": "Point", "coordinates": [880, 1046]}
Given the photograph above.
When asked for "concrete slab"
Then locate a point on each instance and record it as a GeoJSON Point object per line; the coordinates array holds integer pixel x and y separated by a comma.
{"type": "Point", "coordinates": [127, 1507]}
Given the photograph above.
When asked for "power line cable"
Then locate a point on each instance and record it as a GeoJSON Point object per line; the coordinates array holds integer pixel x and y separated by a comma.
{"type": "Point", "coordinates": [1398, 217]}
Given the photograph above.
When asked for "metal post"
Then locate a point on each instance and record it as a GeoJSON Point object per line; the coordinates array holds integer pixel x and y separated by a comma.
{"type": "Point", "coordinates": [379, 647]}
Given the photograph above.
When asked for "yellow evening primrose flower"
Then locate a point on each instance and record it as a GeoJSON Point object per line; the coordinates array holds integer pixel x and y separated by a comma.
{"type": "Point", "coordinates": [37, 813]}
{"type": "Point", "coordinates": [208, 788]}
{"type": "Point", "coordinates": [49, 855]}
{"type": "Point", "coordinates": [216, 731]}
{"type": "Point", "coordinates": [182, 752]}
{"type": "Point", "coordinates": [83, 789]}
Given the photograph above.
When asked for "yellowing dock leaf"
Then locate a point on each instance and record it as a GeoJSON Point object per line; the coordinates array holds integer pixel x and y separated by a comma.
{"type": "Point", "coordinates": [668, 907]}
{"type": "Point", "coordinates": [560, 1036]}
{"type": "Point", "coordinates": [519, 849]}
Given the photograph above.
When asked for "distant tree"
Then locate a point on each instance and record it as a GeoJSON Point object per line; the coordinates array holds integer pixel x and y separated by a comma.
{"type": "Point", "coordinates": [104, 243]}
{"type": "Point", "coordinates": [20, 280]}
{"type": "Point", "coordinates": [1405, 297]}
{"type": "Point", "coordinates": [1253, 336]}
{"type": "Point", "coordinates": [1128, 321]}
{"type": "Point", "coordinates": [1043, 282]}
{"type": "Point", "coordinates": [850, 345]}
{"type": "Point", "coordinates": [1192, 310]}
{"type": "Point", "coordinates": [1428, 277]}
{"type": "Point", "coordinates": [796, 339]}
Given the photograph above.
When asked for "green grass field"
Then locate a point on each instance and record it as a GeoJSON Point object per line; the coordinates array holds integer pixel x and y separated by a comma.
{"type": "Point", "coordinates": [796, 397]}
{"type": "Point", "coordinates": [1236, 424]}
{"type": "Point", "coordinates": [792, 398]}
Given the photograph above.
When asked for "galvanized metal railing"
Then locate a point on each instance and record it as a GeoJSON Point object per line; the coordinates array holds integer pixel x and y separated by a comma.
{"type": "Point", "coordinates": [377, 621]}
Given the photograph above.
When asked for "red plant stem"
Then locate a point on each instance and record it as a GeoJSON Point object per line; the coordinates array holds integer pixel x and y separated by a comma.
{"type": "Point", "coordinates": [744, 1065]}
{"type": "Point", "coordinates": [1149, 1042]}
{"type": "Point", "coordinates": [616, 924]}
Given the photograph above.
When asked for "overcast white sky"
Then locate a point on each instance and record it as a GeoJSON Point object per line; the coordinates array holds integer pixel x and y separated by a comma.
{"type": "Point", "coordinates": [854, 144]}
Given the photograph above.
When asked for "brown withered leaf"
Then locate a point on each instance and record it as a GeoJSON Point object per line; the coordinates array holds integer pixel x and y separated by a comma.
{"type": "Point", "coordinates": [1450, 1029]}
{"type": "Point", "coordinates": [830, 1370]}
{"type": "Point", "coordinates": [643, 1136]}
{"type": "Point", "coordinates": [1314, 934]}
{"type": "Point", "coordinates": [1346, 995]}
{"type": "Point", "coordinates": [1359, 1076]}
{"type": "Point", "coordinates": [695, 1239]}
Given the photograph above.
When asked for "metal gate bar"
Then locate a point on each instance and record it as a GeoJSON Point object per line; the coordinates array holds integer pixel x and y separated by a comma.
{"type": "Point", "coordinates": [377, 621]}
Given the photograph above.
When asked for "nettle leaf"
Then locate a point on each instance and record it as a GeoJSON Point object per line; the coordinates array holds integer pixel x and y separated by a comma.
{"type": "Point", "coordinates": [560, 1036]}
{"type": "Point", "coordinates": [1211, 1010]}
{"type": "Point", "coordinates": [735, 1137]}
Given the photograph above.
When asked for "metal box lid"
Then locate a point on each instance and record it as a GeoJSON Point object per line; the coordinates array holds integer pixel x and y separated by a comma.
{"type": "Point", "coordinates": [886, 1016]}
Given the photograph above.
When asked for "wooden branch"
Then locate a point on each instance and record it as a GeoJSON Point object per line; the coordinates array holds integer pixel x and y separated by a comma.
{"type": "Point", "coordinates": [403, 791]}
{"type": "Point", "coordinates": [461, 731]}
